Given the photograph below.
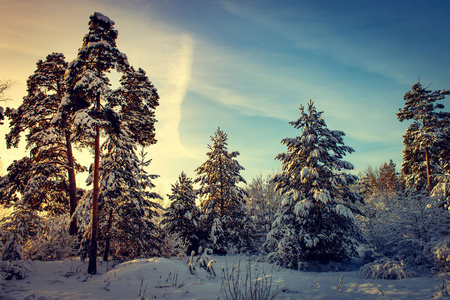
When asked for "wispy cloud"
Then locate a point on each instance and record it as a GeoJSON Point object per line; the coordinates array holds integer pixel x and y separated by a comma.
{"type": "Point", "coordinates": [348, 38]}
{"type": "Point", "coordinates": [174, 85]}
{"type": "Point", "coordinates": [31, 32]}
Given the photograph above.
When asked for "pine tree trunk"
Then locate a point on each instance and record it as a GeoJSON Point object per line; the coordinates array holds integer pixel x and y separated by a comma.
{"type": "Point", "coordinates": [108, 236]}
{"type": "Point", "coordinates": [73, 229]}
{"type": "Point", "coordinates": [427, 158]}
{"type": "Point", "coordinates": [92, 267]}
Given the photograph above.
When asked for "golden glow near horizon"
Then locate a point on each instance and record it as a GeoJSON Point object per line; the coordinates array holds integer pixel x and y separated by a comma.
{"type": "Point", "coordinates": [246, 67]}
{"type": "Point", "coordinates": [31, 32]}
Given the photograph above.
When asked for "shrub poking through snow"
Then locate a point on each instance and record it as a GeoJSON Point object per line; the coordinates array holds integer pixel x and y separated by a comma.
{"type": "Point", "coordinates": [205, 262]}
{"type": "Point", "coordinates": [386, 268]}
{"type": "Point", "coordinates": [52, 243]}
{"type": "Point", "coordinates": [255, 284]}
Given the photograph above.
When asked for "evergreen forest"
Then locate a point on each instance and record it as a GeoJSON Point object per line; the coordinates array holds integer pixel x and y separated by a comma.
{"type": "Point", "coordinates": [315, 214]}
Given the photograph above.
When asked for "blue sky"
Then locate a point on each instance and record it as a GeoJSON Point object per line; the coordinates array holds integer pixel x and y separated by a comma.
{"type": "Point", "coordinates": [247, 66]}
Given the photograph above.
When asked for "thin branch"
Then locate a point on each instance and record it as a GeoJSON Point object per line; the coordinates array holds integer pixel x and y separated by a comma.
{"type": "Point", "coordinates": [4, 85]}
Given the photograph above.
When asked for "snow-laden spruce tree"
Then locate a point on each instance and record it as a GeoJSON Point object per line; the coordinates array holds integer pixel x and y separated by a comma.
{"type": "Point", "coordinates": [427, 139]}
{"type": "Point", "coordinates": [316, 220]}
{"type": "Point", "coordinates": [52, 172]}
{"type": "Point", "coordinates": [228, 226]}
{"type": "Point", "coordinates": [181, 218]}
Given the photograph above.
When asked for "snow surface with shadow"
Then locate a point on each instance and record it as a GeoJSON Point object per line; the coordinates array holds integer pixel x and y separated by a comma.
{"type": "Point", "coordinates": [162, 278]}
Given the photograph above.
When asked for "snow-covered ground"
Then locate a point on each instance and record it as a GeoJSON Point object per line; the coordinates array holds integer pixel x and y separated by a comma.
{"type": "Point", "coordinates": [161, 278]}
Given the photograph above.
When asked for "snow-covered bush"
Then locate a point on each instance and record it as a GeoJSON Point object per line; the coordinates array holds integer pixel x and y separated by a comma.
{"type": "Point", "coordinates": [407, 227]}
{"type": "Point", "coordinates": [386, 268]}
{"type": "Point", "coordinates": [173, 245]}
{"type": "Point", "coordinates": [19, 226]}
{"type": "Point", "coordinates": [18, 269]}
{"type": "Point", "coordinates": [255, 284]}
{"type": "Point", "coordinates": [440, 254]}
{"type": "Point", "coordinates": [52, 243]}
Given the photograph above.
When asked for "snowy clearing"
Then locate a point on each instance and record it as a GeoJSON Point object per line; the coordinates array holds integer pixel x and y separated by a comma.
{"type": "Point", "coordinates": [161, 278]}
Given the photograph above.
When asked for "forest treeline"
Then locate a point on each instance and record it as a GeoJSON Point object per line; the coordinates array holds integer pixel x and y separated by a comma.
{"type": "Point", "coordinates": [312, 214]}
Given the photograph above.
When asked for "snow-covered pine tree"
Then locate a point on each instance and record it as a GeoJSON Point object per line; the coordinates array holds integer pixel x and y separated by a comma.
{"type": "Point", "coordinates": [88, 92]}
{"type": "Point", "coordinates": [427, 139]}
{"type": "Point", "coordinates": [126, 207]}
{"type": "Point", "coordinates": [50, 147]}
{"type": "Point", "coordinates": [136, 99]}
{"type": "Point", "coordinates": [222, 204]}
{"type": "Point", "coordinates": [132, 114]}
{"type": "Point", "coordinates": [315, 221]}
{"type": "Point", "coordinates": [181, 218]}
{"type": "Point", "coordinates": [388, 179]}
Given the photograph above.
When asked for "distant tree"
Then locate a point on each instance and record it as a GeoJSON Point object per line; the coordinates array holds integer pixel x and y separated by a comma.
{"type": "Point", "coordinates": [367, 181]}
{"type": "Point", "coordinates": [5, 84]}
{"type": "Point", "coordinates": [388, 179]}
{"type": "Point", "coordinates": [427, 138]}
{"type": "Point", "coordinates": [181, 218]}
{"type": "Point", "coordinates": [262, 203]}
{"type": "Point", "coordinates": [407, 226]}
{"type": "Point", "coordinates": [50, 148]}
{"type": "Point", "coordinates": [222, 199]}
{"type": "Point", "coordinates": [316, 220]}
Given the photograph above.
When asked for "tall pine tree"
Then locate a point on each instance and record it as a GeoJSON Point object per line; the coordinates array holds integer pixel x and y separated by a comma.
{"type": "Point", "coordinates": [315, 221]}
{"type": "Point", "coordinates": [85, 104]}
{"type": "Point", "coordinates": [50, 148]}
{"type": "Point", "coordinates": [427, 139]}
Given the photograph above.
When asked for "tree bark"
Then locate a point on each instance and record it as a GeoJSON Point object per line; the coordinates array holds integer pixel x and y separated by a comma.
{"type": "Point", "coordinates": [427, 158]}
{"type": "Point", "coordinates": [73, 229]}
{"type": "Point", "coordinates": [108, 236]}
{"type": "Point", "coordinates": [92, 267]}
